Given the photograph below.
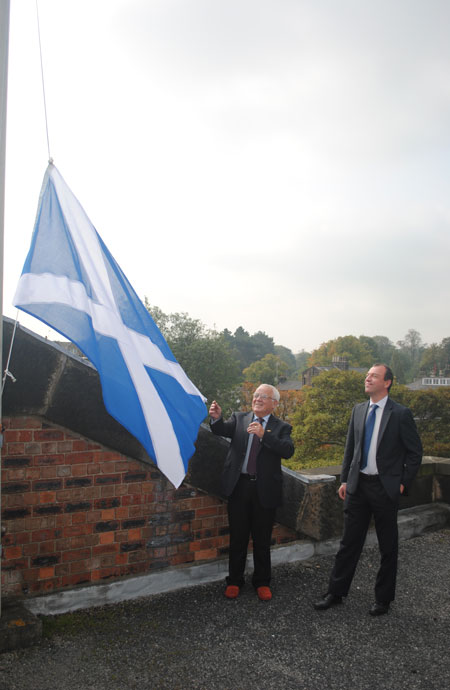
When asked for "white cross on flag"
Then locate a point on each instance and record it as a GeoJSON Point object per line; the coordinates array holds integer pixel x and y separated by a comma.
{"type": "Point", "coordinates": [71, 282]}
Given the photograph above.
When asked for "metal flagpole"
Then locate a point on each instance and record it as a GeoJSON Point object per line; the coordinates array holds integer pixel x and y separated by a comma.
{"type": "Point", "coordinates": [4, 45]}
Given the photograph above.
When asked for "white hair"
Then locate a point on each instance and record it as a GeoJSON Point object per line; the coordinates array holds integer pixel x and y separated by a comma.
{"type": "Point", "coordinates": [275, 391]}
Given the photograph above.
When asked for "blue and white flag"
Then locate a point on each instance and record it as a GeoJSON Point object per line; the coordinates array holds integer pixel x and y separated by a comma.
{"type": "Point", "coordinates": [71, 282]}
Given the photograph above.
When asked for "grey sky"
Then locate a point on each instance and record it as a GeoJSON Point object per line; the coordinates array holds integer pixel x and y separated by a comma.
{"type": "Point", "coordinates": [281, 165]}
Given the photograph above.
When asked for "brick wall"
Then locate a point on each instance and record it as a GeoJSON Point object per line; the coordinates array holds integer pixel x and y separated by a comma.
{"type": "Point", "coordinates": [76, 512]}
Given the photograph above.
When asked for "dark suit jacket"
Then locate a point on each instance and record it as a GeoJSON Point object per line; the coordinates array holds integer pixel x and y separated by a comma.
{"type": "Point", "coordinates": [399, 450]}
{"type": "Point", "coordinates": [276, 443]}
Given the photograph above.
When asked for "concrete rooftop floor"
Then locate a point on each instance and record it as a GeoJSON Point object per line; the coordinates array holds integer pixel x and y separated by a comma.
{"type": "Point", "coordinates": [195, 638]}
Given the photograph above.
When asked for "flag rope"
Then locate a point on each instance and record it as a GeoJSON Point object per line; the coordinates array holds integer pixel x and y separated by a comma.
{"type": "Point", "coordinates": [43, 83]}
{"type": "Point", "coordinates": [7, 371]}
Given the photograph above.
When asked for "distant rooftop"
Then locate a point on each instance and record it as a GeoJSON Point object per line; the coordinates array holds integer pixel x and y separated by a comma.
{"type": "Point", "coordinates": [432, 382]}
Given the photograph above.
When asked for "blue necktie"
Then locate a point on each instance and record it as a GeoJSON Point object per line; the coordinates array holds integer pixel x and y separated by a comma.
{"type": "Point", "coordinates": [370, 423]}
{"type": "Point", "coordinates": [254, 450]}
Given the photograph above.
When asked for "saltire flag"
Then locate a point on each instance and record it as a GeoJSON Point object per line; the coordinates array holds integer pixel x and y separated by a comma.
{"type": "Point", "coordinates": [71, 282]}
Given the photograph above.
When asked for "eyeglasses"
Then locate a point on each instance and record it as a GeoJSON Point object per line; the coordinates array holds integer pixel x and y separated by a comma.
{"type": "Point", "coordinates": [262, 396]}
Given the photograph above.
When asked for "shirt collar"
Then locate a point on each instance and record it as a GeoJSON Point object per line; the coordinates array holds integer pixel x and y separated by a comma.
{"type": "Point", "coordinates": [266, 418]}
{"type": "Point", "coordinates": [381, 403]}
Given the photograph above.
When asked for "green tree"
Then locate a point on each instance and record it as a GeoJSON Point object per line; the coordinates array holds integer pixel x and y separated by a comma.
{"type": "Point", "coordinates": [411, 347]}
{"type": "Point", "coordinates": [243, 346]}
{"type": "Point", "coordinates": [431, 360]}
{"type": "Point", "coordinates": [301, 359]}
{"type": "Point", "coordinates": [205, 355]}
{"type": "Point", "coordinates": [357, 353]}
{"type": "Point", "coordinates": [371, 345]}
{"type": "Point", "coordinates": [249, 348]}
{"type": "Point", "coordinates": [288, 358]}
{"type": "Point", "coordinates": [399, 365]}
{"type": "Point", "coordinates": [431, 411]}
{"type": "Point", "coordinates": [380, 347]}
{"type": "Point", "coordinates": [385, 349]}
{"type": "Point", "coordinates": [269, 369]}
{"type": "Point", "coordinates": [435, 359]}
{"type": "Point", "coordinates": [321, 420]}
{"type": "Point", "coordinates": [263, 344]}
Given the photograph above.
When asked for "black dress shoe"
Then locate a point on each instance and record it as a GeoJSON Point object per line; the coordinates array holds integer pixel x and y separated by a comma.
{"type": "Point", "coordinates": [379, 608]}
{"type": "Point", "coordinates": [327, 601]}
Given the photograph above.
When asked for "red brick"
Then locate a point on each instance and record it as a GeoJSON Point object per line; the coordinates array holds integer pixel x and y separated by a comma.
{"type": "Point", "coordinates": [209, 554]}
{"type": "Point", "coordinates": [48, 435]}
{"type": "Point", "coordinates": [12, 552]}
{"type": "Point", "coordinates": [24, 423]}
{"type": "Point", "coordinates": [105, 547]}
{"type": "Point", "coordinates": [182, 558]}
{"type": "Point", "coordinates": [76, 555]}
{"type": "Point", "coordinates": [76, 530]}
{"type": "Point", "coordinates": [43, 535]}
{"type": "Point", "coordinates": [33, 473]}
{"type": "Point", "coordinates": [79, 567]}
{"type": "Point", "coordinates": [79, 470]}
{"type": "Point", "coordinates": [48, 472]}
{"type": "Point", "coordinates": [45, 573]}
{"type": "Point", "coordinates": [33, 448]}
{"type": "Point", "coordinates": [134, 534]}
{"type": "Point", "coordinates": [79, 445]}
{"type": "Point", "coordinates": [30, 550]}
{"type": "Point", "coordinates": [78, 518]}
{"type": "Point", "coordinates": [75, 579]}
{"type": "Point", "coordinates": [15, 449]}
{"type": "Point", "coordinates": [202, 512]}
{"type": "Point", "coordinates": [81, 457]}
{"type": "Point", "coordinates": [46, 547]}
{"type": "Point", "coordinates": [64, 446]}
{"type": "Point", "coordinates": [107, 537]}
{"type": "Point", "coordinates": [49, 458]}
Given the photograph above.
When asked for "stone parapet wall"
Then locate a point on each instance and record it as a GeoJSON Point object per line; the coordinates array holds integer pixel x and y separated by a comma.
{"type": "Point", "coordinates": [76, 512]}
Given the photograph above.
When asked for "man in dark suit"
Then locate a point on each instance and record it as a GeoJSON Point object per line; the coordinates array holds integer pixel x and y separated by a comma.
{"type": "Point", "coordinates": [251, 480]}
{"type": "Point", "coordinates": [382, 455]}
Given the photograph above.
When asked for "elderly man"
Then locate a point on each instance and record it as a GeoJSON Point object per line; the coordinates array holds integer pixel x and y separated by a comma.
{"type": "Point", "coordinates": [251, 480]}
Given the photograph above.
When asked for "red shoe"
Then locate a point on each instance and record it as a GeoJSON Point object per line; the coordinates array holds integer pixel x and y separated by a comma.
{"type": "Point", "coordinates": [264, 593]}
{"type": "Point", "coordinates": [232, 592]}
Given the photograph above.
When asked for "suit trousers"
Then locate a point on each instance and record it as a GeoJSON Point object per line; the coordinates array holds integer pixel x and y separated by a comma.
{"type": "Point", "coordinates": [247, 517]}
{"type": "Point", "coordinates": [370, 499]}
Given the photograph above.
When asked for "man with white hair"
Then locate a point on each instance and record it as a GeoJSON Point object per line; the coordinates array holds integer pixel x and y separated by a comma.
{"type": "Point", "coordinates": [251, 480]}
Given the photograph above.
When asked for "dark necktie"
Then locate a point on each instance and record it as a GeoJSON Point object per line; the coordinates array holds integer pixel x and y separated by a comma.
{"type": "Point", "coordinates": [370, 423]}
{"type": "Point", "coordinates": [254, 449]}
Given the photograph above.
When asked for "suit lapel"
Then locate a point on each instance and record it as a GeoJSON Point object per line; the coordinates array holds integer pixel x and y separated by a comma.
{"type": "Point", "coordinates": [360, 417]}
{"type": "Point", "coordinates": [384, 420]}
{"type": "Point", "coordinates": [271, 424]}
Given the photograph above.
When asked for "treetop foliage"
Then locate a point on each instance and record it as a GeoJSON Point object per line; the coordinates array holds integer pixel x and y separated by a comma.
{"type": "Point", "coordinates": [408, 359]}
{"type": "Point", "coordinates": [320, 420]}
{"type": "Point", "coordinates": [229, 366]}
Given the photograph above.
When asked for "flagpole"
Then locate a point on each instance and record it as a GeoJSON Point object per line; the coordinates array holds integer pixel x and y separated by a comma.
{"type": "Point", "coordinates": [4, 45]}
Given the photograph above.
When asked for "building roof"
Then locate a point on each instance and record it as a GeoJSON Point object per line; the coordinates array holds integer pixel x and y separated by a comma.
{"type": "Point", "coordinates": [429, 382]}
{"type": "Point", "coordinates": [290, 385]}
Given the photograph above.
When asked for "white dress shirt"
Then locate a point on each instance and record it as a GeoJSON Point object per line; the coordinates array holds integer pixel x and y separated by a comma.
{"type": "Point", "coordinates": [371, 467]}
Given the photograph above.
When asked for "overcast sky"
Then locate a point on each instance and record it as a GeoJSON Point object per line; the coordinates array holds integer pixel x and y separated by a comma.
{"type": "Point", "coordinates": [281, 165]}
